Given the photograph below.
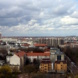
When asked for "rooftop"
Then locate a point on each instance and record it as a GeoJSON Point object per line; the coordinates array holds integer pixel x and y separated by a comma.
{"type": "Point", "coordinates": [38, 54]}
{"type": "Point", "coordinates": [40, 45]}
{"type": "Point", "coordinates": [46, 60]}
{"type": "Point", "coordinates": [20, 54]}
{"type": "Point", "coordinates": [61, 62]}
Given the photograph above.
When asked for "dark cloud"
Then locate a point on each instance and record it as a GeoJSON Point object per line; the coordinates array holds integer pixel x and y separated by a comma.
{"type": "Point", "coordinates": [26, 10]}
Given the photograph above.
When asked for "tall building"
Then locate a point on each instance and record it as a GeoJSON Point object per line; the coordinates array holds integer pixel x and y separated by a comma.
{"type": "Point", "coordinates": [60, 41]}
{"type": "Point", "coordinates": [50, 41]}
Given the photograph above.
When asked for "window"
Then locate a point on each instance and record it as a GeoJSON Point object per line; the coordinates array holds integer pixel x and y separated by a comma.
{"type": "Point", "coordinates": [61, 68]}
{"type": "Point", "coordinates": [59, 57]}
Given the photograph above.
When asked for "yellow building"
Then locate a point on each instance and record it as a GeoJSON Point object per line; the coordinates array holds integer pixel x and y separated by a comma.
{"type": "Point", "coordinates": [60, 66]}
{"type": "Point", "coordinates": [45, 65]}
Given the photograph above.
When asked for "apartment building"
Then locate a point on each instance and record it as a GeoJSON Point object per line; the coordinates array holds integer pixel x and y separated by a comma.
{"type": "Point", "coordinates": [60, 66]}
{"type": "Point", "coordinates": [22, 56]}
{"type": "Point", "coordinates": [57, 62]}
{"type": "Point", "coordinates": [50, 41]}
{"type": "Point", "coordinates": [37, 55]}
{"type": "Point", "coordinates": [13, 61]}
{"type": "Point", "coordinates": [56, 55]}
{"type": "Point", "coordinates": [45, 65]}
{"type": "Point", "coordinates": [17, 59]}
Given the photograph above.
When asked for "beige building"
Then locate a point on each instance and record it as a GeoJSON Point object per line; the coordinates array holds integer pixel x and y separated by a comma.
{"type": "Point", "coordinates": [17, 59]}
{"type": "Point", "coordinates": [22, 56]}
{"type": "Point", "coordinates": [45, 65]}
{"type": "Point", "coordinates": [60, 66]}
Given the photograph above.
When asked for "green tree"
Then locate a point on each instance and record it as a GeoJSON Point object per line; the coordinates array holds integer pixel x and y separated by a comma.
{"type": "Point", "coordinates": [15, 70]}
{"type": "Point", "coordinates": [29, 69]}
{"type": "Point", "coordinates": [5, 71]}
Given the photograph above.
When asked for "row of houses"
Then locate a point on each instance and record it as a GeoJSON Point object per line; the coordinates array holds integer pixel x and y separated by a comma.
{"type": "Point", "coordinates": [58, 66]}
{"type": "Point", "coordinates": [16, 45]}
{"type": "Point", "coordinates": [50, 61]}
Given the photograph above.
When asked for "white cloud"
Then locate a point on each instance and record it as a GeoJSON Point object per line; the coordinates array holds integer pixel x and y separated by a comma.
{"type": "Point", "coordinates": [38, 17]}
{"type": "Point", "coordinates": [67, 20]}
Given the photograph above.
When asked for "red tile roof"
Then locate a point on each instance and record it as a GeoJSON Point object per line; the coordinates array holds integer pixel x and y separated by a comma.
{"type": "Point", "coordinates": [20, 54]}
{"type": "Point", "coordinates": [40, 45]}
{"type": "Point", "coordinates": [25, 44]}
{"type": "Point", "coordinates": [38, 54]}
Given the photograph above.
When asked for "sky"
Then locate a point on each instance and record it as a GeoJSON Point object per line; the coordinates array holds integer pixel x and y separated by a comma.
{"type": "Point", "coordinates": [39, 17]}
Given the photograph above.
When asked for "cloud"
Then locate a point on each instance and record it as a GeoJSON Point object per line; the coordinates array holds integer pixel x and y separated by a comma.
{"type": "Point", "coordinates": [67, 20]}
{"type": "Point", "coordinates": [38, 17]}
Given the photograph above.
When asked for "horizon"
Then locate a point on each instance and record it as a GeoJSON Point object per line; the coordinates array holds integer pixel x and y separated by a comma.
{"type": "Point", "coordinates": [40, 36]}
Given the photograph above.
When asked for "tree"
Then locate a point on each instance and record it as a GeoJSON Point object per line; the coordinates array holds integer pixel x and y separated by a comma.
{"type": "Point", "coordinates": [15, 70]}
{"type": "Point", "coordinates": [29, 69]}
{"type": "Point", "coordinates": [5, 71]}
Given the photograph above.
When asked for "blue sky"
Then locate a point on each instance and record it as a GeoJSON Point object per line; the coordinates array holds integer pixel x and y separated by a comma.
{"type": "Point", "coordinates": [39, 17]}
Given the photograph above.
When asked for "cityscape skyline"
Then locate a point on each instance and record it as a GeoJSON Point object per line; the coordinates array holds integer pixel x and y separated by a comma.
{"type": "Point", "coordinates": [39, 18]}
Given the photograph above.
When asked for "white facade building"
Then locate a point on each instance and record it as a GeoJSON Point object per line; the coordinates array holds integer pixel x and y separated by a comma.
{"type": "Point", "coordinates": [13, 60]}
